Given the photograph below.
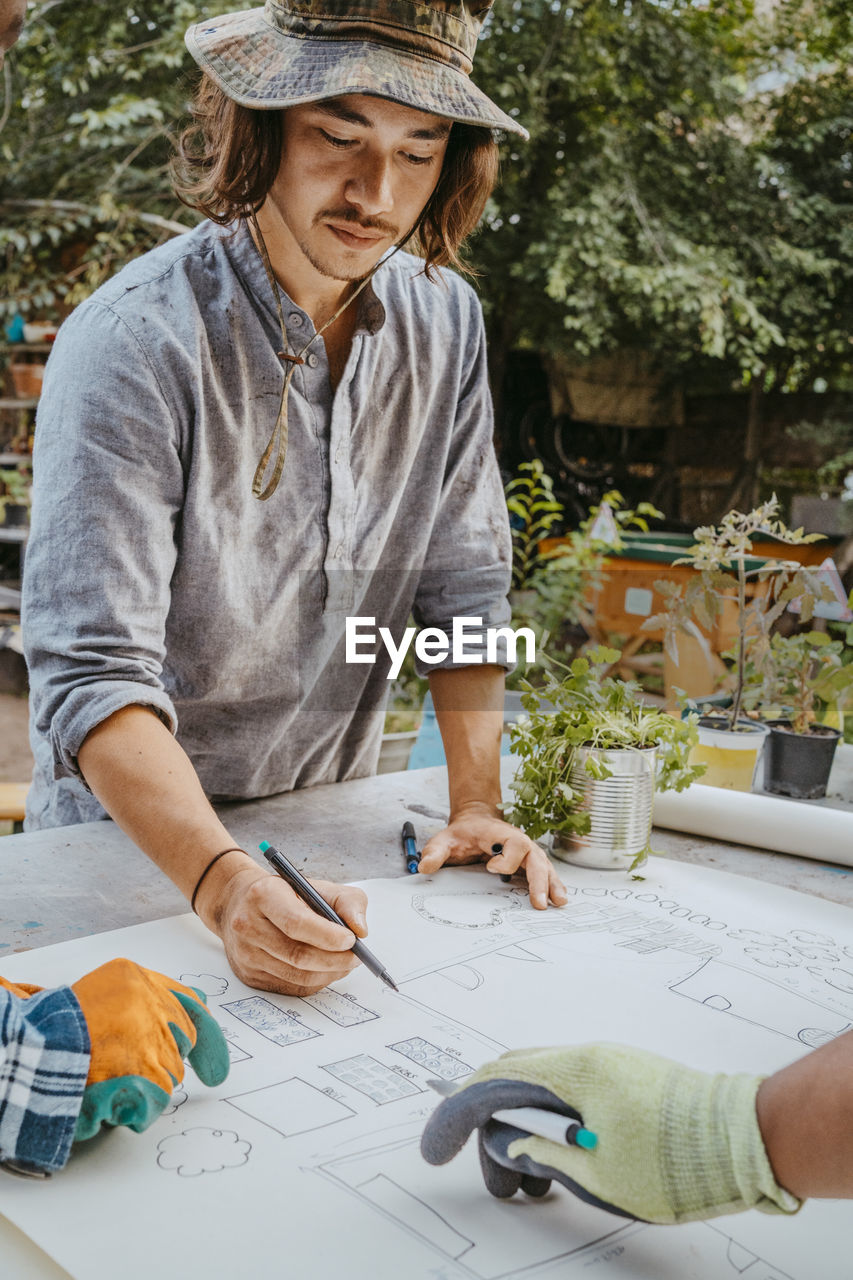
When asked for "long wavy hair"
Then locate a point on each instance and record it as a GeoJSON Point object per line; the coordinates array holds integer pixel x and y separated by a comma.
{"type": "Point", "coordinates": [229, 155]}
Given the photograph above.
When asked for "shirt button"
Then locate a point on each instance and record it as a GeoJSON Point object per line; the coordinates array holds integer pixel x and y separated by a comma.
{"type": "Point", "coordinates": [295, 319]}
{"type": "Point", "coordinates": [313, 361]}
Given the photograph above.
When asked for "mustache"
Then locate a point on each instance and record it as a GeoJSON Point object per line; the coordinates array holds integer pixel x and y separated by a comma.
{"type": "Point", "coordinates": [366, 224]}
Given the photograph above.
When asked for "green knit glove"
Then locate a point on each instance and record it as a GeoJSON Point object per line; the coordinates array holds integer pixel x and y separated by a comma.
{"type": "Point", "coordinates": [674, 1144]}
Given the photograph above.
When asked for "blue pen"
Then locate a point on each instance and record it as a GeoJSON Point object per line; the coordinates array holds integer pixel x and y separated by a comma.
{"type": "Point", "coordinates": [410, 850]}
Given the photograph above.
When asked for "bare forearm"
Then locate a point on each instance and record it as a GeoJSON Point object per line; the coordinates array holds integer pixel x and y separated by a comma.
{"type": "Point", "coordinates": [147, 784]}
{"type": "Point", "coordinates": [469, 704]}
{"type": "Point", "coordinates": [805, 1113]}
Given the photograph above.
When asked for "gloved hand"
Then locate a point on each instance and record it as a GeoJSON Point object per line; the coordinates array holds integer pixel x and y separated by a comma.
{"type": "Point", "coordinates": [674, 1144]}
{"type": "Point", "coordinates": [20, 989]}
{"type": "Point", "coordinates": [142, 1025]}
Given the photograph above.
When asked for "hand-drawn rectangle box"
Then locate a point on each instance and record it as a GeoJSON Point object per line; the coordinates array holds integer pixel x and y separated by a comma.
{"type": "Point", "coordinates": [433, 1059]}
{"type": "Point", "coordinates": [291, 1107]}
{"type": "Point", "coordinates": [339, 1008]}
{"type": "Point", "coordinates": [269, 1021]}
{"type": "Point", "coordinates": [372, 1078]}
{"type": "Point", "coordinates": [236, 1052]}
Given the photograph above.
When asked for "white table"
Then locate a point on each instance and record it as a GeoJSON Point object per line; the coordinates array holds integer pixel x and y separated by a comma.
{"type": "Point", "coordinates": [61, 884]}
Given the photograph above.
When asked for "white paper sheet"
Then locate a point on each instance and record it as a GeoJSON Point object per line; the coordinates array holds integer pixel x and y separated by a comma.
{"type": "Point", "coordinates": [305, 1161]}
{"type": "Point", "coordinates": [770, 822]}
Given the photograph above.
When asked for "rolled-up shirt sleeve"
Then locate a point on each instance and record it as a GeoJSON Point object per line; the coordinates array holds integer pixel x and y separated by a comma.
{"type": "Point", "coordinates": [468, 564]}
{"type": "Point", "coordinates": [44, 1063]}
{"type": "Point", "coordinates": [108, 488]}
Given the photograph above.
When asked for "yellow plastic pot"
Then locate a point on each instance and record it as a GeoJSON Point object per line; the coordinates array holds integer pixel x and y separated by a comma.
{"type": "Point", "coordinates": [731, 756]}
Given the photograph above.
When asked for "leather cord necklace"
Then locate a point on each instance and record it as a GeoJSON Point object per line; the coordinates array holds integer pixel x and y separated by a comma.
{"type": "Point", "coordinates": [277, 443]}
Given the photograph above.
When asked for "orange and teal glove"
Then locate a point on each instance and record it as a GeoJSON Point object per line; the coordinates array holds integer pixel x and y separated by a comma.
{"type": "Point", "coordinates": [20, 989]}
{"type": "Point", "coordinates": [142, 1025]}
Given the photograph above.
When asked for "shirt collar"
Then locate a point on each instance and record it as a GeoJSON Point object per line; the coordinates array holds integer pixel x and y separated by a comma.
{"type": "Point", "coordinates": [247, 262]}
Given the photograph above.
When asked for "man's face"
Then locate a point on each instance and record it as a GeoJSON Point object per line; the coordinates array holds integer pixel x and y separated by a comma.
{"type": "Point", "coordinates": [355, 175]}
{"type": "Point", "coordinates": [11, 24]}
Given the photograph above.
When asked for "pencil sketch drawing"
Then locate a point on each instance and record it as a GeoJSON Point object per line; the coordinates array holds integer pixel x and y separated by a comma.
{"type": "Point", "coordinates": [236, 1052]}
{"type": "Point", "coordinates": [566, 1239]}
{"type": "Point", "coordinates": [178, 1098]}
{"type": "Point", "coordinates": [208, 983]}
{"type": "Point", "coordinates": [374, 1079]}
{"type": "Point", "coordinates": [202, 1150]}
{"type": "Point", "coordinates": [431, 1058]}
{"type": "Point", "coordinates": [291, 1107]}
{"type": "Point", "coordinates": [273, 1023]}
{"type": "Point", "coordinates": [340, 1008]}
{"type": "Point", "coordinates": [320, 1119]}
{"type": "Point", "coordinates": [466, 910]}
{"type": "Point", "coordinates": [809, 973]}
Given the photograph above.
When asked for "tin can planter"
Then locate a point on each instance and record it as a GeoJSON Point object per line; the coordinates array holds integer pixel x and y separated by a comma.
{"type": "Point", "coordinates": [730, 755]}
{"type": "Point", "coordinates": [619, 807]}
{"type": "Point", "coordinates": [798, 764]}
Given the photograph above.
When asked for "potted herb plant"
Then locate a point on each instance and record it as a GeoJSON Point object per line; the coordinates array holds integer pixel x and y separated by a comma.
{"type": "Point", "coordinates": [591, 756]}
{"type": "Point", "coordinates": [798, 672]}
{"type": "Point", "coordinates": [758, 589]}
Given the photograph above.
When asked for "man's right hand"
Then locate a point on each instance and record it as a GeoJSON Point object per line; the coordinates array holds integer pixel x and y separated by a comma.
{"type": "Point", "coordinates": [274, 941]}
{"type": "Point", "coordinates": [147, 784]}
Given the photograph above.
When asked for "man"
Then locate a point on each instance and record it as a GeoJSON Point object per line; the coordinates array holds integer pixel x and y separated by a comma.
{"type": "Point", "coordinates": [108, 1050]}
{"type": "Point", "coordinates": [161, 597]}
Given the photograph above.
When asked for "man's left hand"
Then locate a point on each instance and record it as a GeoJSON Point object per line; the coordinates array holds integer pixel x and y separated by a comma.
{"type": "Point", "coordinates": [471, 835]}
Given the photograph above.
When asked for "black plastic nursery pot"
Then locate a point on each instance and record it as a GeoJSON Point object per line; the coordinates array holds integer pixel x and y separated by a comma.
{"type": "Point", "coordinates": [16, 515]}
{"type": "Point", "coordinates": [798, 764]}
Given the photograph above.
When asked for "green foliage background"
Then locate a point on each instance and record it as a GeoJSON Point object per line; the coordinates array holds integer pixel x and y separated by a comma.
{"type": "Point", "coordinates": [688, 185]}
{"type": "Point", "coordinates": [93, 94]}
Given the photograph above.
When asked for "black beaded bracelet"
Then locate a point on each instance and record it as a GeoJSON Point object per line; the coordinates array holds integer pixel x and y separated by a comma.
{"type": "Point", "coordinates": [210, 864]}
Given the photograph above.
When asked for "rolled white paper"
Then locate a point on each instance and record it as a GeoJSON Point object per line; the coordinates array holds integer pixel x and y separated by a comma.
{"type": "Point", "coordinates": [811, 830]}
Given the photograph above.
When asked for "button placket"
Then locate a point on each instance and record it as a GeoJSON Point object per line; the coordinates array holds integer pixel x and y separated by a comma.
{"type": "Point", "coordinates": [340, 531]}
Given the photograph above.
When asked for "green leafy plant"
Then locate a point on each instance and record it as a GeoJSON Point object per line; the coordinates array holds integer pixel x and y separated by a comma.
{"type": "Point", "coordinates": [533, 511]}
{"type": "Point", "coordinates": [585, 708]}
{"type": "Point", "coordinates": [799, 672]}
{"type": "Point", "coordinates": [16, 487]}
{"type": "Point", "coordinates": [551, 585]}
{"type": "Point", "coordinates": [727, 566]}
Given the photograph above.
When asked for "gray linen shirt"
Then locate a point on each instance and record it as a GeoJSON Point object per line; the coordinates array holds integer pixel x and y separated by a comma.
{"type": "Point", "coordinates": [154, 577]}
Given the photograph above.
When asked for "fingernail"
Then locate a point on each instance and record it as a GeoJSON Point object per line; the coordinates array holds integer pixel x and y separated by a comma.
{"type": "Point", "coordinates": [540, 902]}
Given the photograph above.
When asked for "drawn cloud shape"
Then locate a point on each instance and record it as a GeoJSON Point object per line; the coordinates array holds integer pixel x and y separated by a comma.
{"type": "Point", "coordinates": [206, 982]}
{"type": "Point", "coordinates": [202, 1150]}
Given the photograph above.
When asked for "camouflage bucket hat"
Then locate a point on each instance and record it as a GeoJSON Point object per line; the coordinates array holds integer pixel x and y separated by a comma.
{"type": "Point", "coordinates": [295, 51]}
